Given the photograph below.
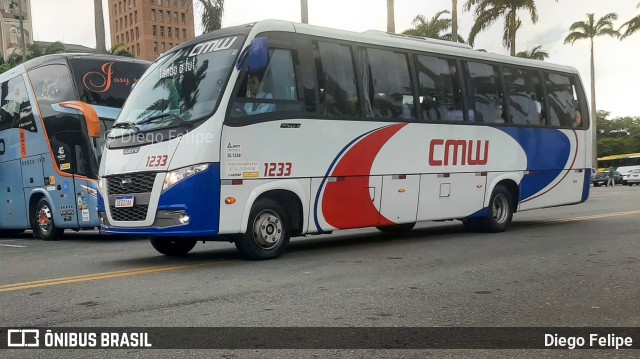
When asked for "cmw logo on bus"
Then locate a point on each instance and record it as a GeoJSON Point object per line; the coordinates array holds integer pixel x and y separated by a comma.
{"type": "Point", "coordinates": [214, 45]}
{"type": "Point", "coordinates": [462, 151]}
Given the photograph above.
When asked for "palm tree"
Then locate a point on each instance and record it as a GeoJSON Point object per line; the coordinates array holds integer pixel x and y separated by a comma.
{"type": "Point", "coordinates": [212, 11]}
{"type": "Point", "coordinates": [391, 21]}
{"type": "Point", "coordinates": [535, 54]}
{"type": "Point", "coordinates": [454, 20]}
{"type": "Point", "coordinates": [304, 11]}
{"type": "Point", "coordinates": [431, 28]}
{"type": "Point", "coordinates": [581, 30]}
{"type": "Point", "coordinates": [99, 25]}
{"type": "Point", "coordinates": [632, 26]}
{"type": "Point", "coordinates": [488, 12]}
{"type": "Point", "coordinates": [119, 50]}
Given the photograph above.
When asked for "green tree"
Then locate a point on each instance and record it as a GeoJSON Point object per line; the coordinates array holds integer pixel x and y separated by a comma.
{"type": "Point", "coordinates": [33, 51]}
{"type": "Point", "coordinates": [535, 54]}
{"type": "Point", "coordinates": [487, 12]}
{"type": "Point", "coordinates": [212, 11]}
{"type": "Point", "coordinates": [432, 28]}
{"type": "Point", "coordinates": [632, 26]}
{"type": "Point", "coordinates": [590, 29]}
{"type": "Point", "coordinates": [119, 50]}
{"type": "Point", "coordinates": [617, 136]}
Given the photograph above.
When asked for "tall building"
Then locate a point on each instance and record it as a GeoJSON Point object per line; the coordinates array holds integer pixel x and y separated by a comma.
{"type": "Point", "coordinates": [148, 28]}
{"type": "Point", "coordinates": [11, 39]}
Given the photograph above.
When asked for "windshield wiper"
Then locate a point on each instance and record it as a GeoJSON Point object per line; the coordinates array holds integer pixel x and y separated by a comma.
{"type": "Point", "coordinates": [152, 119]}
{"type": "Point", "coordinates": [179, 122]}
{"type": "Point", "coordinates": [124, 125]}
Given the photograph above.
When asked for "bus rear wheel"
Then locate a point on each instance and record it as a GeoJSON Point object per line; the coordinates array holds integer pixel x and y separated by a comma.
{"type": "Point", "coordinates": [45, 226]}
{"type": "Point", "coordinates": [173, 247]}
{"type": "Point", "coordinates": [500, 211]}
{"type": "Point", "coordinates": [268, 231]}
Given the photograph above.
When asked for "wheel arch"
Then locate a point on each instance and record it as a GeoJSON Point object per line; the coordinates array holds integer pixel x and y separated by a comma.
{"type": "Point", "coordinates": [34, 197]}
{"type": "Point", "coordinates": [512, 182]}
{"type": "Point", "coordinates": [291, 195]}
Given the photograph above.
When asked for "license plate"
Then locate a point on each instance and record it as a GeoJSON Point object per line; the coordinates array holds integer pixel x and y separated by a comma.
{"type": "Point", "coordinates": [126, 201]}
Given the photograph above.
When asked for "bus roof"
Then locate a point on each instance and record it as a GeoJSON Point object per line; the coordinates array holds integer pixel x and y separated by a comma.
{"type": "Point", "coordinates": [375, 37]}
{"type": "Point", "coordinates": [41, 60]}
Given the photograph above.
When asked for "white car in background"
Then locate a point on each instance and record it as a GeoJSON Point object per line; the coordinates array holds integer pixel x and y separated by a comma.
{"type": "Point", "coordinates": [632, 177]}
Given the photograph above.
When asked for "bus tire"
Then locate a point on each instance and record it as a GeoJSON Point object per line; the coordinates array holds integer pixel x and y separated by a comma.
{"type": "Point", "coordinates": [398, 228]}
{"type": "Point", "coordinates": [268, 231]}
{"type": "Point", "coordinates": [173, 247]}
{"type": "Point", "coordinates": [500, 211]}
{"type": "Point", "coordinates": [45, 226]}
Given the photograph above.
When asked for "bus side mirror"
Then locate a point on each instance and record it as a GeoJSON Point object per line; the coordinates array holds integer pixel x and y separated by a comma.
{"type": "Point", "coordinates": [90, 116]}
{"type": "Point", "coordinates": [256, 54]}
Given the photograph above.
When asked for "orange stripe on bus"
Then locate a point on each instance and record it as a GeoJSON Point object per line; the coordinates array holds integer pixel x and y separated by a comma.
{"type": "Point", "coordinates": [23, 144]}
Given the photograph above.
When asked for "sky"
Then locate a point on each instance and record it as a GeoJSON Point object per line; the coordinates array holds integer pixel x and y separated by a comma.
{"type": "Point", "coordinates": [617, 64]}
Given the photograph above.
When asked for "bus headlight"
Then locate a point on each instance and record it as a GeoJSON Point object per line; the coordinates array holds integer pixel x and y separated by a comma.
{"type": "Point", "coordinates": [173, 177]}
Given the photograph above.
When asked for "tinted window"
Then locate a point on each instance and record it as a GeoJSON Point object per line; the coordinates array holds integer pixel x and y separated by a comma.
{"type": "Point", "coordinates": [105, 83]}
{"type": "Point", "coordinates": [336, 79]}
{"type": "Point", "coordinates": [562, 100]}
{"type": "Point", "coordinates": [273, 90]}
{"type": "Point", "coordinates": [485, 94]}
{"type": "Point", "coordinates": [15, 107]}
{"type": "Point", "coordinates": [440, 91]}
{"type": "Point", "coordinates": [526, 100]}
{"type": "Point", "coordinates": [387, 84]}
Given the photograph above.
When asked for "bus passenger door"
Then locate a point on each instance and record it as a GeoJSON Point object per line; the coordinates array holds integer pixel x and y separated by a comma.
{"type": "Point", "coordinates": [13, 213]}
{"type": "Point", "coordinates": [450, 195]}
{"type": "Point", "coordinates": [399, 202]}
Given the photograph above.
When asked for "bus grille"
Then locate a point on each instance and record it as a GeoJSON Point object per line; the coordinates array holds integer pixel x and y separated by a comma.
{"type": "Point", "coordinates": [135, 213]}
{"type": "Point", "coordinates": [131, 183]}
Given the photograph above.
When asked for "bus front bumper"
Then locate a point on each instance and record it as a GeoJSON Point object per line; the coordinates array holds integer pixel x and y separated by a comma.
{"type": "Point", "coordinates": [190, 208]}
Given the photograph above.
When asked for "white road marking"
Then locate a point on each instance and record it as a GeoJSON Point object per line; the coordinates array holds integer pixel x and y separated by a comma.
{"type": "Point", "coordinates": [12, 245]}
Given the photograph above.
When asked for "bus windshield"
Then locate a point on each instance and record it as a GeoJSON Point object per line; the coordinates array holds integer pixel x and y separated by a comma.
{"type": "Point", "coordinates": [181, 87]}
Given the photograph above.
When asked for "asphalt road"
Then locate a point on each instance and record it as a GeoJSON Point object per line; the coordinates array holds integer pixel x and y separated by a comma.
{"type": "Point", "coordinates": [567, 266]}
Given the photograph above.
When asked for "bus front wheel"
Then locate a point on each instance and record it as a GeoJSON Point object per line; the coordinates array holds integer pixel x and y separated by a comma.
{"type": "Point", "coordinates": [173, 247]}
{"type": "Point", "coordinates": [500, 211]}
{"type": "Point", "coordinates": [268, 231]}
{"type": "Point", "coordinates": [45, 226]}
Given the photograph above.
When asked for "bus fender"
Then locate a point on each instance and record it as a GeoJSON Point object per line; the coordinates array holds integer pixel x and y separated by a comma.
{"type": "Point", "coordinates": [37, 192]}
{"type": "Point", "coordinates": [495, 178]}
{"type": "Point", "coordinates": [291, 185]}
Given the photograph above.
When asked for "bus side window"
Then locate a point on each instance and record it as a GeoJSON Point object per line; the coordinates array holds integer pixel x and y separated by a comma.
{"type": "Point", "coordinates": [439, 89]}
{"type": "Point", "coordinates": [485, 93]}
{"type": "Point", "coordinates": [561, 100]}
{"type": "Point", "coordinates": [526, 101]}
{"type": "Point", "coordinates": [273, 90]}
{"type": "Point", "coordinates": [336, 80]}
{"type": "Point", "coordinates": [15, 107]}
{"type": "Point", "coordinates": [387, 84]}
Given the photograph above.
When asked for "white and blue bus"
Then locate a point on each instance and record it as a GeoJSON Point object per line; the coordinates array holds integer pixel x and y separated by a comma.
{"type": "Point", "coordinates": [49, 151]}
{"type": "Point", "coordinates": [259, 133]}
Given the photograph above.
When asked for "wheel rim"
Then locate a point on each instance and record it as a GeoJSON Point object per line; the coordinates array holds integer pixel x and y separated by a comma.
{"type": "Point", "coordinates": [267, 229]}
{"type": "Point", "coordinates": [500, 208]}
{"type": "Point", "coordinates": [45, 221]}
